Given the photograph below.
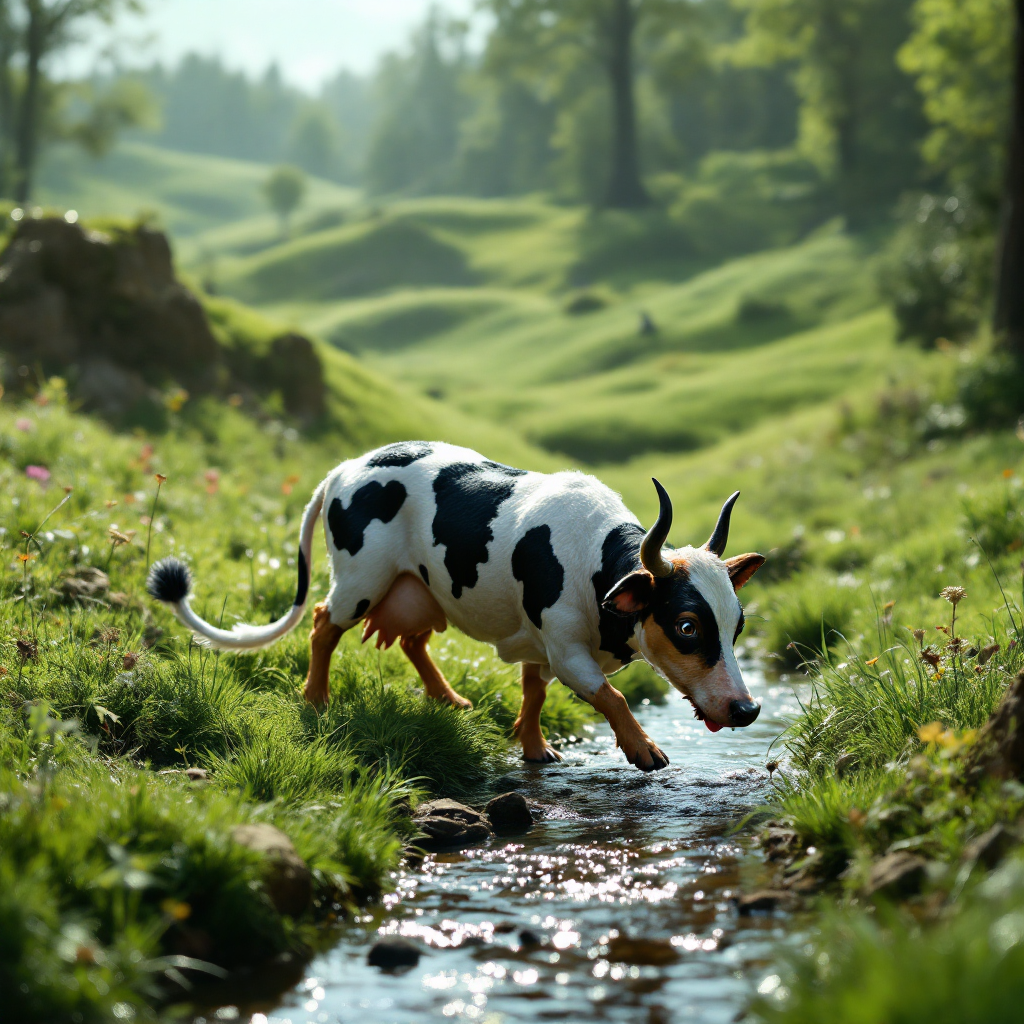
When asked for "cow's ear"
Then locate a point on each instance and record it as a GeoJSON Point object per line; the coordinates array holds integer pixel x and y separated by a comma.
{"type": "Point", "coordinates": [631, 595]}
{"type": "Point", "coordinates": [742, 567]}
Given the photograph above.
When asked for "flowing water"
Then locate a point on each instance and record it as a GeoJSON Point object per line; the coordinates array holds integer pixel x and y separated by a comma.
{"type": "Point", "coordinates": [626, 881]}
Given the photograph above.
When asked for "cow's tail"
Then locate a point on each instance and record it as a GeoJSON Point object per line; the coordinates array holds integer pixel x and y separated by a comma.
{"type": "Point", "coordinates": [170, 581]}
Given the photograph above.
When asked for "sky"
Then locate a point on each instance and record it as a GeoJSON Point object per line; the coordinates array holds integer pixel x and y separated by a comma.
{"type": "Point", "coordinates": [309, 39]}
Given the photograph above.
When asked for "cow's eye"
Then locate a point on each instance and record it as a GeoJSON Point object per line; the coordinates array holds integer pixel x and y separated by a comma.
{"type": "Point", "coordinates": [688, 627]}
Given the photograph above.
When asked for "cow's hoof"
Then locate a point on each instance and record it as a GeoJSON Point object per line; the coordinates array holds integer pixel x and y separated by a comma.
{"type": "Point", "coordinates": [548, 756]}
{"type": "Point", "coordinates": [649, 758]}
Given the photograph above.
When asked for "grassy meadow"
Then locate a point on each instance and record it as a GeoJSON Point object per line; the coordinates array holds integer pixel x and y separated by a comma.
{"type": "Point", "coordinates": [513, 326]}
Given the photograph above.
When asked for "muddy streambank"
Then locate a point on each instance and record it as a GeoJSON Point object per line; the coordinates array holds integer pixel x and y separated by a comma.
{"type": "Point", "coordinates": [616, 906]}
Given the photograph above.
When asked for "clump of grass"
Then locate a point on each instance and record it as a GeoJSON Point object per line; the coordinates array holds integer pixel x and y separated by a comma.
{"type": "Point", "coordinates": [804, 628]}
{"type": "Point", "coordinates": [871, 755]}
{"type": "Point", "coordinates": [868, 711]}
{"type": "Point", "coordinates": [391, 726]}
{"type": "Point", "coordinates": [273, 765]}
{"type": "Point", "coordinates": [860, 969]}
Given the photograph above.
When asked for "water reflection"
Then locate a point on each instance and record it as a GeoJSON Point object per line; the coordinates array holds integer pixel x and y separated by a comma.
{"type": "Point", "coordinates": [616, 907]}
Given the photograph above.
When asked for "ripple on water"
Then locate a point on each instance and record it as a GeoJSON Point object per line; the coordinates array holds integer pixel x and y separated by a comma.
{"type": "Point", "coordinates": [627, 882]}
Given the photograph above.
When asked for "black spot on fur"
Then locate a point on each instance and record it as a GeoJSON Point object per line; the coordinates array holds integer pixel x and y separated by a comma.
{"type": "Point", "coordinates": [169, 580]}
{"type": "Point", "coordinates": [620, 555]}
{"type": "Point", "coordinates": [468, 498]}
{"type": "Point", "coordinates": [362, 608]}
{"type": "Point", "coordinates": [372, 501]}
{"type": "Point", "coordinates": [425, 575]}
{"type": "Point", "coordinates": [500, 467]}
{"type": "Point", "coordinates": [534, 564]}
{"type": "Point", "coordinates": [303, 587]}
{"type": "Point", "coordinates": [676, 594]}
{"type": "Point", "coordinates": [405, 453]}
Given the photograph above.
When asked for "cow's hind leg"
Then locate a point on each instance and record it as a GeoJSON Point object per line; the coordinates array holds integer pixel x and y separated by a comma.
{"type": "Point", "coordinates": [434, 682]}
{"type": "Point", "coordinates": [323, 639]}
{"type": "Point", "coordinates": [527, 725]}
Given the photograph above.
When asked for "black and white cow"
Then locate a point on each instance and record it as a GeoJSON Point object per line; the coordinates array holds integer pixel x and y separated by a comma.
{"type": "Point", "coordinates": [552, 569]}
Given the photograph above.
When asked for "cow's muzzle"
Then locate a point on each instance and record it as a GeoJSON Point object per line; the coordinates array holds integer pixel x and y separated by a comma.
{"type": "Point", "coordinates": [743, 712]}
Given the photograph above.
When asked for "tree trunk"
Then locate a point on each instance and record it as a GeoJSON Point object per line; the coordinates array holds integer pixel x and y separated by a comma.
{"type": "Point", "coordinates": [28, 126]}
{"type": "Point", "coordinates": [1009, 312]}
{"type": "Point", "coordinates": [625, 189]}
{"type": "Point", "coordinates": [6, 96]}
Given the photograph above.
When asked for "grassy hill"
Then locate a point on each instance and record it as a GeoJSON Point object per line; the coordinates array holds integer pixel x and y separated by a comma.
{"type": "Point", "coordinates": [187, 192]}
{"type": "Point", "coordinates": [514, 326]}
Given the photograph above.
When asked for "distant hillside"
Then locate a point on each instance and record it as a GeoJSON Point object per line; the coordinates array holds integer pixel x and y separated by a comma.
{"type": "Point", "coordinates": [186, 192]}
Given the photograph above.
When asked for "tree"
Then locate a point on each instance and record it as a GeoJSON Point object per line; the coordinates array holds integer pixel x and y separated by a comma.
{"type": "Point", "coordinates": [49, 26]}
{"type": "Point", "coordinates": [1009, 312]}
{"type": "Point", "coordinates": [969, 68]}
{"type": "Point", "coordinates": [285, 189]}
{"type": "Point", "coordinates": [562, 40]}
{"type": "Point", "coordinates": [960, 54]}
{"type": "Point", "coordinates": [421, 104]}
{"type": "Point", "coordinates": [315, 142]}
{"type": "Point", "coordinates": [8, 46]}
{"type": "Point", "coordinates": [860, 116]}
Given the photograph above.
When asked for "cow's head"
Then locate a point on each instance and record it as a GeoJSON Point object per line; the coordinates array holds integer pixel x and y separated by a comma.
{"type": "Point", "coordinates": [688, 617]}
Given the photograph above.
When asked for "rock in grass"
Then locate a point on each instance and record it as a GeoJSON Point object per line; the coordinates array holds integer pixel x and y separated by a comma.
{"type": "Point", "coordinates": [84, 584]}
{"type": "Point", "coordinates": [447, 824]}
{"type": "Point", "coordinates": [999, 750]}
{"type": "Point", "coordinates": [509, 813]}
{"type": "Point", "coordinates": [286, 878]}
{"type": "Point", "coordinates": [897, 875]}
{"type": "Point", "coordinates": [990, 847]}
{"type": "Point", "coordinates": [779, 842]}
{"type": "Point", "coordinates": [764, 901]}
{"type": "Point", "coordinates": [392, 952]}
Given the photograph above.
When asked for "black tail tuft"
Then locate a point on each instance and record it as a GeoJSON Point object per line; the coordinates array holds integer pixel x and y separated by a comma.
{"type": "Point", "coordinates": [169, 581]}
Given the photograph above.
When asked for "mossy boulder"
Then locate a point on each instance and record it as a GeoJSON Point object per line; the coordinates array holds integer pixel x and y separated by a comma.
{"type": "Point", "coordinates": [105, 310]}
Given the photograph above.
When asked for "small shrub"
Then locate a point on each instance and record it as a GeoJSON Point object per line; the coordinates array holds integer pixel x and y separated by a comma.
{"type": "Point", "coordinates": [784, 561]}
{"type": "Point", "coordinates": [755, 310]}
{"type": "Point", "coordinates": [585, 302]}
{"type": "Point", "coordinates": [994, 520]}
{"type": "Point", "coordinates": [991, 391]}
{"type": "Point", "coordinates": [937, 269]}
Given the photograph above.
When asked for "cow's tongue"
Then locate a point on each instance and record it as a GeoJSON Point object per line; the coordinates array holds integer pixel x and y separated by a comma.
{"type": "Point", "coordinates": [713, 726]}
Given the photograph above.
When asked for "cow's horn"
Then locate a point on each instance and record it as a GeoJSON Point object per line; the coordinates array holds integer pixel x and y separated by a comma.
{"type": "Point", "coordinates": [721, 535]}
{"type": "Point", "coordinates": [650, 550]}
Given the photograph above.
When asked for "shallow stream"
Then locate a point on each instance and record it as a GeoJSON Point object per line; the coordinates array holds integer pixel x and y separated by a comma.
{"type": "Point", "coordinates": [626, 881]}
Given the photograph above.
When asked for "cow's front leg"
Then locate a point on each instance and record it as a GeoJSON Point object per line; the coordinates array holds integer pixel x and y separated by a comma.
{"type": "Point", "coordinates": [578, 670]}
{"type": "Point", "coordinates": [323, 639]}
{"type": "Point", "coordinates": [527, 725]}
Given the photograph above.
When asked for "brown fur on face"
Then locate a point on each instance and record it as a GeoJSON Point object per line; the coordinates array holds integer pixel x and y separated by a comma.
{"type": "Point", "coordinates": [683, 670]}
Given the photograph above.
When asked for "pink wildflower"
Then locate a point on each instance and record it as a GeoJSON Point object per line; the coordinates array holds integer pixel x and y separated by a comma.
{"type": "Point", "coordinates": [23, 424]}
{"type": "Point", "coordinates": [40, 473]}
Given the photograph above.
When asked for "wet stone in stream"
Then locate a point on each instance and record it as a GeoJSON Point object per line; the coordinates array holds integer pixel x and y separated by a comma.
{"type": "Point", "coordinates": [628, 882]}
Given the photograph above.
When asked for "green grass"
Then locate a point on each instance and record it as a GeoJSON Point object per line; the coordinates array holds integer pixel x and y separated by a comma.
{"type": "Point", "coordinates": [861, 969]}
{"type": "Point", "coordinates": [112, 862]}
